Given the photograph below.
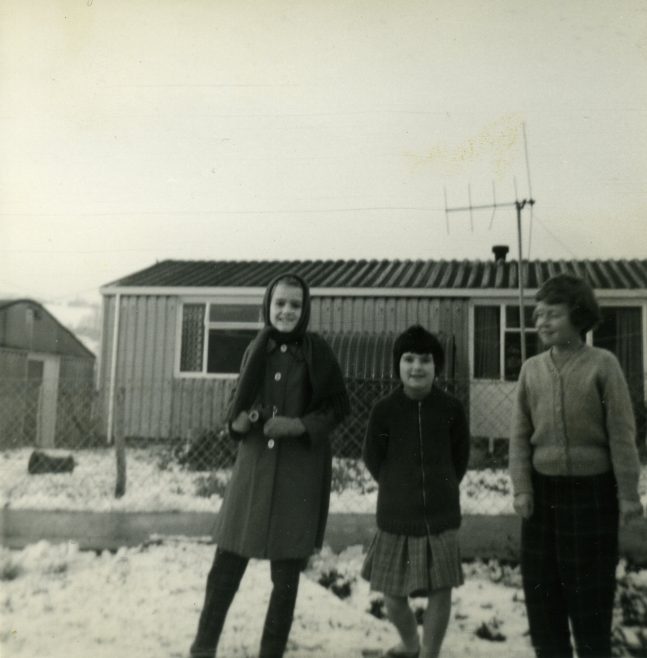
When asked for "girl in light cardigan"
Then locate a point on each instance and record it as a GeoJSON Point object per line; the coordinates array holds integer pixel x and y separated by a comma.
{"type": "Point", "coordinates": [574, 468]}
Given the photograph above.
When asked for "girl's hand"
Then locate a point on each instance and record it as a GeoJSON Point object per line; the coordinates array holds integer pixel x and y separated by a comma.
{"type": "Point", "coordinates": [241, 423]}
{"type": "Point", "coordinates": [281, 427]}
{"type": "Point", "coordinates": [630, 510]}
{"type": "Point", "coordinates": [524, 505]}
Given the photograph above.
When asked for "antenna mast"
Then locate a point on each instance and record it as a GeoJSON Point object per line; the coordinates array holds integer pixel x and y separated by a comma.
{"type": "Point", "coordinates": [519, 205]}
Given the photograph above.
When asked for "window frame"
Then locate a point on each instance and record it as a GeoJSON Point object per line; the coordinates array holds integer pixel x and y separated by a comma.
{"type": "Point", "coordinates": [242, 300]}
{"type": "Point", "coordinates": [502, 305]}
{"type": "Point", "coordinates": [603, 301]}
{"type": "Point", "coordinates": [625, 303]}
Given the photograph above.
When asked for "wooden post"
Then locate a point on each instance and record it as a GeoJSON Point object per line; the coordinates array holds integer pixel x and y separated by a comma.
{"type": "Point", "coordinates": [113, 370]}
{"type": "Point", "coordinates": [120, 442]}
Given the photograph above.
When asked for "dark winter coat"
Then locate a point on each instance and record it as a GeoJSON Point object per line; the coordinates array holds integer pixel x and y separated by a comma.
{"type": "Point", "coordinates": [418, 453]}
{"type": "Point", "coordinates": [276, 503]}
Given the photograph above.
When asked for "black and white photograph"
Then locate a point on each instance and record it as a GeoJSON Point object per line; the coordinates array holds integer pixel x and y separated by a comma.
{"type": "Point", "coordinates": [323, 329]}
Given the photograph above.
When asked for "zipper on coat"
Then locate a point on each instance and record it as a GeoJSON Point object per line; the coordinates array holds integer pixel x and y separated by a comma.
{"type": "Point", "coordinates": [422, 468]}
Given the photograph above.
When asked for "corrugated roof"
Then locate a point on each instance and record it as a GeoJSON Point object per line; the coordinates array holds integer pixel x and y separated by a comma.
{"type": "Point", "coordinates": [437, 274]}
{"type": "Point", "coordinates": [370, 356]}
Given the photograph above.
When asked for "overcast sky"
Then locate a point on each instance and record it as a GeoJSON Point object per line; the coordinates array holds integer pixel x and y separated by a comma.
{"type": "Point", "coordinates": [133, 131]}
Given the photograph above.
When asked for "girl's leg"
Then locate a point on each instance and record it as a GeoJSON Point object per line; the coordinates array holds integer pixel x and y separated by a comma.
{"type": "Point", "coordinates": [401, 616]}
{"type": "Point", "coordinates": [222, 584]}
{"type": "Point", "coordinates": [280, 612]}
{"type": "Point", "coordinates": [542, 582]}
{"type": "Point", "coordinates": [436, 619]}
{"type": "Point", "coordinates": [588, 560]}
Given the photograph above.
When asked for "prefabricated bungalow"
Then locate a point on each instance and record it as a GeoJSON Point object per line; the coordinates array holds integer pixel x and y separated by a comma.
{"type": "Point", "coordinates": [173, 333]}
{"type": "Point", "coordinates": [46, 378]}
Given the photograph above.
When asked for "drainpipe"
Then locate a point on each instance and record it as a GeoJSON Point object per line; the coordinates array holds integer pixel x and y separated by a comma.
{"type": "Point", "coordinates": [522, 311]}
{"type": "Point", "coordinates": [113, 370]}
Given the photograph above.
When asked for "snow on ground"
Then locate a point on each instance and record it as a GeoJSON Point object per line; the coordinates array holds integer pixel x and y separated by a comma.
{"type": "Point", "coordinates": [144, 602]}
{"type": "Point", "coordinates": [140, 602]}
{"type": "Point", "coordinates": [151, 487]}
{"type": "Point", "coordinates": [156, 484]}
{"type": "Point", "coordinates": [91, 486]}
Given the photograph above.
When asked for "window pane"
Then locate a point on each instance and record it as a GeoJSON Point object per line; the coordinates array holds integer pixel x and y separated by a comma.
{"type": "Point", "coordinates": [226, 347]}
{"type": "Point", "coordinates": [192, 338]}
{"type": "Point", "coordinates": [620, 332]}
{"type": "Point", "coordinates": [512, 354]}
{"type": "Point", "coordinates": [234, 313]}
{"type": "Point", "coordinates": [512, 316]}
{"type": "Point", "coordinates": [486, 342]}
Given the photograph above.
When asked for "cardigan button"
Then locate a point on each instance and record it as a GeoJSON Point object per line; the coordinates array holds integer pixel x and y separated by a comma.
{"type": "Point", "coordinates": [270, 444]}
{"type": "Point", "coordinates": [277, 377]}
{"type": "Point", "coordinates": [284, 348]}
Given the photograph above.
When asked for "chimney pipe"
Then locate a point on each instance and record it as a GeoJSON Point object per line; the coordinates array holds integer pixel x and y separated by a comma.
{"type": "Point", "coordinates": [500, 251]}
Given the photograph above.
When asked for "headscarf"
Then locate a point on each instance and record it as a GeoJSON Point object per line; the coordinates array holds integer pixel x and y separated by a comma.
{"type": "Point", "coordinates": [302, 325]}
{"type": "Point", "coordinates": [326, 379]}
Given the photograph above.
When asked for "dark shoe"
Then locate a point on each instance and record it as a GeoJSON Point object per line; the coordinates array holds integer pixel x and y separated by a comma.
{"type": "Point", "coordinates": [395, 653]}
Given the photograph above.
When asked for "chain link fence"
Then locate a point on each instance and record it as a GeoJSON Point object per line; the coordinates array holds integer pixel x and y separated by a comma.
{"type": "Point", "coordinates": [59, 414]}
{"type": "Point", "coordinates": [54, 456]}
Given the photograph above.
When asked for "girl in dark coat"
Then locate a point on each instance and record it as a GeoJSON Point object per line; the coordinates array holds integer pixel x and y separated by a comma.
{"type": "Point", "coordinates": [417, 448]}
{"type": "Point", "coordinates": [290, 395]}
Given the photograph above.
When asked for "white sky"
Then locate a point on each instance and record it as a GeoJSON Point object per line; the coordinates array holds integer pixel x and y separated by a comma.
{"type": "Point", "coordinates": [133, 131]}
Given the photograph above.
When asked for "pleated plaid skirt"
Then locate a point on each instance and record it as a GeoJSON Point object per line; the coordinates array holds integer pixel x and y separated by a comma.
{"type": "Point", "coordinates": [400, 565]}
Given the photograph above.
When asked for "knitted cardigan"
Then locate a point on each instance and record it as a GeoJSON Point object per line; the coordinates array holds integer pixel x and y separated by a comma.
{"type": "Point", "coordinates": [418, 453]}
{"type": "Point", "coordinates": [574, 421]}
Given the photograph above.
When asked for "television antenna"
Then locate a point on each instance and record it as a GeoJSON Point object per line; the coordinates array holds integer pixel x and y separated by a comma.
{"type": "Point", "coordinates": [518, 205]}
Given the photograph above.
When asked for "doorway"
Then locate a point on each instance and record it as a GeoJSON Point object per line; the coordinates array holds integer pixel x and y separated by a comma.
{"type": "Point", "coordinates": [41, 398]}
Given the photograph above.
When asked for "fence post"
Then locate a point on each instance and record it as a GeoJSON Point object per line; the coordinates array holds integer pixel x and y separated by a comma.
{"type": "Point", "coordinates": [120, 443]}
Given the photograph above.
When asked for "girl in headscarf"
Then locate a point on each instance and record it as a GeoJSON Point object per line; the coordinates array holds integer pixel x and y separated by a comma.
{"type": "Point", "coordinates": [290, 395]}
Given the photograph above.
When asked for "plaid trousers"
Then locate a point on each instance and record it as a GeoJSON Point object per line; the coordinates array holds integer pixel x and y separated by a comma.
{"type": "Point", "coordinates": [569, 554]}
{"type": "Point", "coordinates": [222, 584]}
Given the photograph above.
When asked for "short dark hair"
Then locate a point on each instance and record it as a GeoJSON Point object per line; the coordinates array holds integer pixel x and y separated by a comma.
{"type": "Point", "coordinates": [577, 294]}
{"type": "Point", "coordinates": [418, 340]}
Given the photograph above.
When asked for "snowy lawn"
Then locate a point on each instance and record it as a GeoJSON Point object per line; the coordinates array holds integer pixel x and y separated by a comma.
{"type": "Point", "coordinates": [156, 483]}
{"type": "Point", "coordinates": [144, 602]}
{"type": "Point", "coordinates": [140, 602]}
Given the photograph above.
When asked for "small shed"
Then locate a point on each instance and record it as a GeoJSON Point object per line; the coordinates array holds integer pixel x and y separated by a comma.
{"type": "Point", "coordinates": [173, 333]}
{"type": "Point", "coordinates": [46, 378]}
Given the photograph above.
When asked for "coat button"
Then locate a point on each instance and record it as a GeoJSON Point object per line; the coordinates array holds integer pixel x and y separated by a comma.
{"type": "Point", "coordinates": [270, 444]}
{"type": "Point", "coordinates": [277, 377]}
{"type": "Point", "coordinates": [284, 348]}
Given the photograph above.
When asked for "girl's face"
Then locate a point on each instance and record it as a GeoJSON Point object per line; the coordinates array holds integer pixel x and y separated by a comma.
{"type": "Point", "coordinates": [417, 373]}
{"type": "Point", "coordinates": [286, 307]}
{"type": "Point", "coordinates": [553, 323]}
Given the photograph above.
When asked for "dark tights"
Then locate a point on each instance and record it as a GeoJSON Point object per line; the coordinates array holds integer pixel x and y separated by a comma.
{"type": "Point", "coordinates": [222, 584]}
